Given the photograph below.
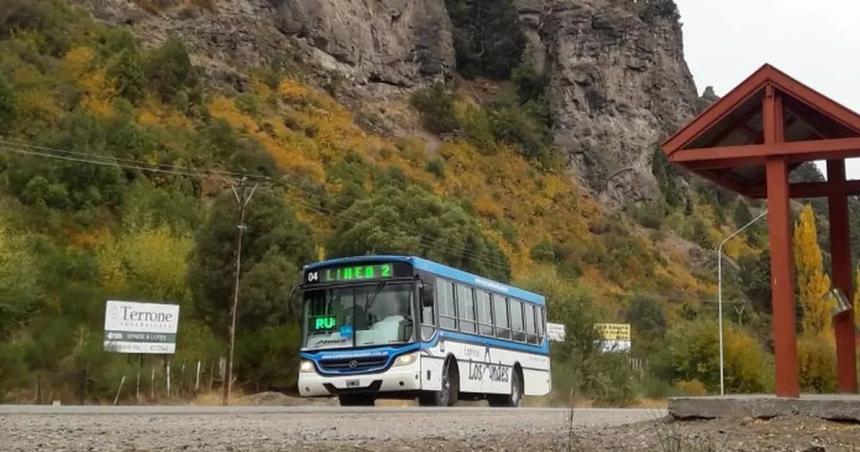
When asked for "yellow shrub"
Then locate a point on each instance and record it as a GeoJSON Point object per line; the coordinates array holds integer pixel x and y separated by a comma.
{"type": "Point", "coordinates": [78, 61]}
{"type": "Point", "coordinates": [745, 362]}
{"type": "Point", "coordinates": [816, 360]}
{"type": "Point", "coordinates": [691, 388]}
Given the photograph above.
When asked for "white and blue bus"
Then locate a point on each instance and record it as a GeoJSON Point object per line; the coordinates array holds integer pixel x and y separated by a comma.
{"type": "Point", "coordinates": [408, 327]}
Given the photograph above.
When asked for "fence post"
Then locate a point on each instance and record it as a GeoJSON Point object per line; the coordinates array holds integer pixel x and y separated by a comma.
{"type": "Point", "coordinates": [152, 385]}
{"type": "Point", "coordinates": [167, 375]}
{"type": "Point", "coordinates": [211, 373]}
{"type": "Point", "coordinates": [197, 378]}
{"type": "Point", "coordinates": [119, 390]}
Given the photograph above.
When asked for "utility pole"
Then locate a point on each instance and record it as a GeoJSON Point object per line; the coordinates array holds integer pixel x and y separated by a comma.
{"type": "Point", "coordinates": [242, 200]}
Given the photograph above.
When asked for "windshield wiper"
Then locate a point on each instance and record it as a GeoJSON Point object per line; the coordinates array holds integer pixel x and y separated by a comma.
{"type": "Point", "coordinates": [375, 293]}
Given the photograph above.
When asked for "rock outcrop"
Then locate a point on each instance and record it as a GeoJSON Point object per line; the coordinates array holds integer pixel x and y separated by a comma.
{"type": "Point", "coordinates": [400, 43]}
{"type": "Point", "coordinates": [618, 82]}
{"type": "Point", "coordinates": [618, 85]}
{"type": "Point", "coordinates": [397, 42]}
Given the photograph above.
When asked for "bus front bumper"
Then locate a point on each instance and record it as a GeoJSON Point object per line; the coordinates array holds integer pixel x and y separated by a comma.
{"type": "Point", "coordinates": [395, 379]}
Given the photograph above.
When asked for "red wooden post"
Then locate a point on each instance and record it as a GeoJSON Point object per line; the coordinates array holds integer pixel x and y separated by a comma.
{"type": "Point", "coordinates": [781, 261]}
{"type": "Point", "coordinates": [782, 284]}
{"type": "Point", "coordinates": [840, 255]}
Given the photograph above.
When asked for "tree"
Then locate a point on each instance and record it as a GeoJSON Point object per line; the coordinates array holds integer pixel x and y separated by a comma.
{"type": "Point", "coordinates": [667, 178]}
{"type": "Point", "coordinates": [147, 262]}
{"type": "Point", "coordinates": [742, 214]}
{"type": "Point", "coordinates": [646, 317]}
{"type": "Point", "coordinates": [487, 37]}
{"type": "Point", "coordinates": [168, 68]}
{"type": "Point", "coordinates": [813, 284]}
{"type": "Point", "coordinates": [18, 280]}
{"type": "Point", "coordinates": [408, 219]}
{"type": "Point", "coordinates": [755, 279]}
{"type": "Point", "coordinates": [276, 244]}
{"type": "Point", "coordinates": [7, 105]}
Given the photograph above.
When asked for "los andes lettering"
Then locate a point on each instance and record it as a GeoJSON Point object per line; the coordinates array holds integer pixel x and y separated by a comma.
{"type": "Point", "coordinates": [496, 373]}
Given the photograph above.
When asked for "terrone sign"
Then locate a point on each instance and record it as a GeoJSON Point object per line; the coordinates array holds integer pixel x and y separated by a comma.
{"type": "Point", "coordinates": [140, 327]}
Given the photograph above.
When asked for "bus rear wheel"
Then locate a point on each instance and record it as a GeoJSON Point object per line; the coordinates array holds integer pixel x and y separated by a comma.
{"type": "Point", "coordinates": [356, 399]}
{"type": "Point", "coordinates": [450, 388]}
{"type": "Point", "coordinates": [514, 398]}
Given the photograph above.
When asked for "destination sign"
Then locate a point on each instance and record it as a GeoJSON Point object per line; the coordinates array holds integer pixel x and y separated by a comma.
{"type": "Point", "coordinates": [355, 273]}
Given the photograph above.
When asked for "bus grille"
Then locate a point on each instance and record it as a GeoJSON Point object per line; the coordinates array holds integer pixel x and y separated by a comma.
{"type": "Point", "coordinates": [353, 365]}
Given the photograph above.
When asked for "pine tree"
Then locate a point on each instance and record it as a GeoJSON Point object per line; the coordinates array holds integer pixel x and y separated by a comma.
{"type": "Point", "coordinates": [813, 284]}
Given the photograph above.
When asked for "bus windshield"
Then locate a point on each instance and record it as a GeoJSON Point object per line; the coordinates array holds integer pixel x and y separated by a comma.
{"type": "Point", "coordinates": [358, 316]}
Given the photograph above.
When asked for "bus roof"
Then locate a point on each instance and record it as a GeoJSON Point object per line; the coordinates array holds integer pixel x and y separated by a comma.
{"type": "Point", "coordinates": [440, 270]}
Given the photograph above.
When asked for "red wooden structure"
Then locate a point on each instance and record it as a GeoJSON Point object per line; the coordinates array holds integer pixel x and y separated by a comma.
{"type": "Point", "coordinates": [749, 141]}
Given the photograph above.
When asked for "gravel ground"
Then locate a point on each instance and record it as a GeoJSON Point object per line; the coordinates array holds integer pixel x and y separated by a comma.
{"type": "Point", "coordinates": [394, 429]}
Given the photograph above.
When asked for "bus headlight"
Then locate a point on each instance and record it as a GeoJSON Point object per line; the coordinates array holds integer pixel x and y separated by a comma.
{"type": "Point", "coordinates": [306, 366]}
{"type": "Point", "coordinates": [405, 360]}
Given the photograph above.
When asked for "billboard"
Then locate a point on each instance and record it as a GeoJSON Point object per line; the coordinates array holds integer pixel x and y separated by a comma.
{"type": "Point", "coordinates": [614, 337]}
{"type": "Point", "coordinates": [140, 327]}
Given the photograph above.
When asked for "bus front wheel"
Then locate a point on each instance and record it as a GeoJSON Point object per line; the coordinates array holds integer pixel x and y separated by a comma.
{"type": "Point", "coordinates": [450, 388]}
{"type": "Point", "coordinates": [356, 399]}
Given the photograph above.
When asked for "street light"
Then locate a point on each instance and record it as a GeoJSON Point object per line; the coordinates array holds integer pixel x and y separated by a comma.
{"type": "Point", "coordinates": [720, 294]}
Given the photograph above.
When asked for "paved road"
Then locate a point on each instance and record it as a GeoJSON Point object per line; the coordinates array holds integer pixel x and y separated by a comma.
{"type": "Point", "coordinates": [314, 428]}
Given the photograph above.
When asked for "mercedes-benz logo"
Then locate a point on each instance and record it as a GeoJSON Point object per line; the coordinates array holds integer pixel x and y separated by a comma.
{"type": "Point", "coordinates": [353, 364]}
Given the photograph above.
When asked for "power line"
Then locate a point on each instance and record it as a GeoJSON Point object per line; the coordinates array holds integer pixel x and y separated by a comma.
{"type": "Point", "coordinates": [163, 168]}
{"type": "Point", "coordinates": [108, 161]}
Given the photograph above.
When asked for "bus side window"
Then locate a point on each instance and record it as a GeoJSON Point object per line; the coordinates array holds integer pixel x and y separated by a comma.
{"type": "Point", "coordinates": [466, 308]}
{"type": "Point", "coordinates": [485, 313]}
{"type": "Point", "coordinates": [447, 312]}
{"type": "Point", "coordinates": [539, 323]}
{"type": "Point", "coordinates": [428, 319]}
{"type": "Point", "coordinates": [517, 326]}
{"type": "Point", "coordinates": [500, 314]}
{"type": "Point", "coordinates": [529, 316]}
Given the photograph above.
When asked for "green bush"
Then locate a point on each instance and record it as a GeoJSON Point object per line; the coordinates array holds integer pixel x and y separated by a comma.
{"type": "Point", "coordinates": [477, 128]}
{"type": "Point", "coordinates": [543, 251]}
{"type": "Point", "coordinates": [168, 69]}
{"type": "Point", "coordinates": [691, 353]}
{"type": "Point", "coordinates": [268, 357]}
{"type": "Point", "coordinates": [436, 106]}
{"type": "Point", "coordinates": [516, 124]}
{"type": "Point", "coordinates": [436, 167]}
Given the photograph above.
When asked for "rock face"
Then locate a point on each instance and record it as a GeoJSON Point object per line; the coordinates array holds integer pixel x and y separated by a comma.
{"type": "Point", "coordinates": [618, 85]}
{"type": "Point", "coordinates": [400, 43]}
{"type": "Point", "coordinates": [397, 42]}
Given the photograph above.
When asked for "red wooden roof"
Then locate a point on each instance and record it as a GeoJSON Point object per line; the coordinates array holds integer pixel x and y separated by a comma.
{"type": "Point", "coordinates": [726, 142]}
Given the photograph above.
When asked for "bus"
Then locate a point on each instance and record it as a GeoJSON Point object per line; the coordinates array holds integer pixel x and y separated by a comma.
{"type": "Point", "coordinates": [403, 326]}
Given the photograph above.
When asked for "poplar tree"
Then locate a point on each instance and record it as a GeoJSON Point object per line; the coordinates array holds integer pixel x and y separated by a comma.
{"type": "Point", "coordinates": [813, 284]}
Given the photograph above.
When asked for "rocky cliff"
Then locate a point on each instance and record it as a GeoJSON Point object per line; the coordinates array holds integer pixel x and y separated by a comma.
{"type": "Point", "coordinates": [618, 82]}
{"type": "Point", "coordinates": [618, 85]}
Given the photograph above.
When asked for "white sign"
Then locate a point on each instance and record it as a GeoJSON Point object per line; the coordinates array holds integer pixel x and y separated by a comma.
{"type": "Point", "coordinates": [555, 332]}
{"type": "Point", "coordinates": [140, 327]}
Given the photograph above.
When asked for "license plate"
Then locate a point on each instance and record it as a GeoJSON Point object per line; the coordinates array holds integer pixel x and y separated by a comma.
{"type": "Point", "coordinates": [351, 383]}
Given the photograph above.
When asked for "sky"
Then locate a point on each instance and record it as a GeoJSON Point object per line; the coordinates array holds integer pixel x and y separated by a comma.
{"type": "Point", "coordinates": [815, 42]}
